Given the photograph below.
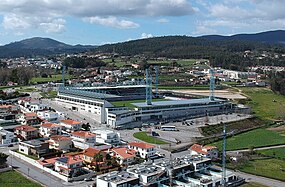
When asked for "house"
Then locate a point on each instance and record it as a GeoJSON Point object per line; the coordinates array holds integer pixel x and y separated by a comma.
{"type": "Point", "coordinates": [9, 109]}
{"type": "Point", "coordinates": [205, 151]}
{"type": "Point", "coordinates": [34, 107]}
{"type": "Point", "coordinates": [61, 143]}
{"type": "Point", "coordinates": [69, 165]}
{"type": "Point", "coordinates": [70, 125]}
{"type": "Point", "coordinates": [83, 139]}
{"type": "Point", "coordinates": [49, 129]}
{"type": "Point", "coordinates": [90, 153]}
{"type": "Point", "coordinates": [48, 116]}
{"type": "Point", "coordinates": [6, 137]}
{"type": "Point", "coordinates": [36, 147]}
{"type": "Point", "coordinates": [124, 156]}
{"type": "Point", "coordinates": [107, 137]}
{"type": "Point", "coordinates": [144, 150]}
{"type": "Point", "coordinates": [29, 118]}
{"type": "Point", "coordinates": [26, 132]}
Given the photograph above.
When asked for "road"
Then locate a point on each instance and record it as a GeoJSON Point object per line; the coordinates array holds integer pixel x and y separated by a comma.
{"type": "Point", "coordinates": [260, 180]}
{"type": "Point", "coordinates": [258, 148]}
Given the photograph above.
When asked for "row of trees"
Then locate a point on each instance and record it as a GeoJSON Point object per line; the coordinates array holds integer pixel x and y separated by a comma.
{"type": "Point", "coordinates": [21, 76]}
{"type": "Point", "coordinates": [277, 80]}
{"type": "Point", "coordinates": [83, 62]}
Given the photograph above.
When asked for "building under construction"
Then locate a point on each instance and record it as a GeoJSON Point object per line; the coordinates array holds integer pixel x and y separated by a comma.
{"type": "Point", "coordinates": [98, 103]}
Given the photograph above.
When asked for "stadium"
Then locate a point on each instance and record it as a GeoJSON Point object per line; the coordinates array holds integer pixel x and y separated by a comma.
{"type": "Point", "coordinates": [100, 103]}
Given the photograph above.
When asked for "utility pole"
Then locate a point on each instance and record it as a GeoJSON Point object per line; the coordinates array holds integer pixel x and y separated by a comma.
{"type": "Point", "coordinates": [224, 156]}
{"type": "Point", "coordinates": [63, 75]}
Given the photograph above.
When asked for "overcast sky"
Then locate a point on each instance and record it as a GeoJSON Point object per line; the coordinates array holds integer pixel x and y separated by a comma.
{"type": "Point", "coordinates": [109, 21]}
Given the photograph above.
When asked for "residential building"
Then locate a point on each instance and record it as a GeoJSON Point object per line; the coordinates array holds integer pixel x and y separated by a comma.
{"type": "Point", "coordinates": [6, 137]}
{"type": "Point", "coordinates": [34, 107]}
{"type": "Point", "coordinates": [69, 165]}
{"type": "Point", "coordinates": [26, 132]}
{"type": "Point", "coordinates": [61, 143]}
{"type": "Point", "coordinates": [29, 118]}
{"type": "Point", "coordinates": [9, 109]}
{"type": "Point", "coordinates": [205, 151]}
{"type": "Point", "coordinates": [49, 129]}
{"type": "Point", "coordinates": [83, 139]}
{"type": "Point", "coordinates": [144, 150]}
{"type": "Point", "coordinates": [48, 116]}
{"type": "Point", "coordinates": [36, 147]}
{"type": "Point", "coordinates": [118, 179]}
{"type": "Point", "coordinates": [107, 137]}
{"type": "Point", "coordinates": [90, 153]}
{"type": "Point", "coordinates": [124, 156]}
{"type": "Point", "coordinates": [70, 125]}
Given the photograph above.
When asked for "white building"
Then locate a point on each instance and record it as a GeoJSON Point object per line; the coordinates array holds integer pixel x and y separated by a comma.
{"type": "Point", "coordinates": [83, 139]}
{"type": "Point", "coordinates": [144, 150]}
{"type": "Point", "coordinates": [117, 179]}
{"type": "Point", "coordinates": [61, 143]}
{"type": "Point", "coordinates": [49, 129]}
{"type": "Point", "coordinates": [107, 137]}
{"type": "Point", "coordinates": [6, 137]}
{"type": "Point", "coordinates": [34, 107]}
{"type": "Point", "coordinates": [205, 151]}
{"type": "Point", "coordinates": [48, 116]}
{"type": "Point", "coordinates": [69, 165]}
{"type": "Point", "coordinates": [70, 125]}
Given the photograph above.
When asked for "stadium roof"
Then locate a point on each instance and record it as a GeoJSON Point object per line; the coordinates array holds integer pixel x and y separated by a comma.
{"type": "Point", "coordinates": [176, 102]}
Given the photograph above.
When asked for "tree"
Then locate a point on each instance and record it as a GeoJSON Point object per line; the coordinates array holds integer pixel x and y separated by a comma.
{"type": "Point", "coordinates": [3, 160]}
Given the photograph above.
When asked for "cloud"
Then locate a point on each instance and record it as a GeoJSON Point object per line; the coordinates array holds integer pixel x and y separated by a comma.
{"type": "Point", "coordinates": [145, 35]}
{"type": "Point", "coordinates": [162, 20]}
{"type": "Point", "coordinates": [112, 21]}
{"type": "Point", "coordinates": [113, 13]}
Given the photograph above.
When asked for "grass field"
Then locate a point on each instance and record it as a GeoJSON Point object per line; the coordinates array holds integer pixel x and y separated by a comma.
{"type": "Point", "coordinates": [57, 77]}
{"type": "Point", "coordinates": [149, 139]}
{"type": "Point", "coordinates": [272, 168]}
{"type": "Point", "coordinates": [256, 138]}
{"type": "Point", "coordinates": [252, 184]}
{"type": "Point", "coordinates": [49, 95]}
{"type": "Point", "coordinates": [266, 104]}
{"type": "Point", "coordinates": [276, 152]}
{"type": "Point", "coordinates": [129, 103]}
{"type": "Point", "coordinates": [14, 179]}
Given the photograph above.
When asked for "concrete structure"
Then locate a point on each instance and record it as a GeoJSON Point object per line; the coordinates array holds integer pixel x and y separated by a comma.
{"type": "Point", "coordinates": [61, 143]}
{"type": "Point", "coordinates": [205, 151]}
{"type": "Point", "coordinates": [36, 147]}
{"type": "Point", "coordinates": [49, 129]}
{"type": "Point", "coordinates": [6, 137]}
{"type": "Point", "coordinates": [34, 107]}
{"type": "Point", "coordinates": [117, 179]}
{"type": "Point", "coordinates": [107, 137]}
{"type": "Point", "coordinates": [26, 132]}
{"type": "Point", "coordinates": [48, 116]}
{"type": "Point", "coordinates": [144, 150]}
{"type": "Point", "coordinates": [83, 139]}
{"type": "Point", "coordinates": [70, 125]}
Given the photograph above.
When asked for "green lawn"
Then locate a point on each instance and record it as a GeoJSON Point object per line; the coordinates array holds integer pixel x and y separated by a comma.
{"type": "Point", "coordinates": [252, 184]}
{"type": "Point", "coordinates": [49, 95]}
{"type": "Point", "coordinates": [266, 104]}
{"type": "Point", "coordinates": [257, 138]}
{"type": "Point", "coordinates": [129, 103]}
{"type": "Point", "coordinates": [276, 152]}
{"type": "Point", "coordinates": [57, 77]}
{"type": "Point", "coordinates": [149, 139]}
{"type": "Point", "coordinates": [14, 179]}
{"type": "Point", "coordinates": [272, 168]}
{"type": "Point", "coordinates": [200, 87]}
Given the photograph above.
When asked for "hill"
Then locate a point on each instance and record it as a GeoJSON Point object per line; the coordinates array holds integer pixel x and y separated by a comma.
{"type": "Point", "coordinates": [272, 37]}
{"type": "Point", "coordinates": [38, 46]}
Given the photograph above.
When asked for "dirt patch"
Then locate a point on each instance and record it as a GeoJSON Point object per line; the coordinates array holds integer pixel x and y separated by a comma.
{"type": "Point", "coordinates": [280, 129]}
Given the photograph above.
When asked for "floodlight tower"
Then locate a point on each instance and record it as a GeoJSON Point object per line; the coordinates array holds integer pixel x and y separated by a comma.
{"type": "Point", "coordinates": [212, 84]}
{"type": "Point", "coordinates": [148, 87]}
{"type": "Point", "coordinates": [224, 155]}
{"type": "Point", "coordinates": [63, 76]}
{"type": "Point", "coordinates": [156, 80]}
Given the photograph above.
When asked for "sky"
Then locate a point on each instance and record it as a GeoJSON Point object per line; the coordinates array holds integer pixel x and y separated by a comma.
{"type": "Point", "coordinates": [98, 22]}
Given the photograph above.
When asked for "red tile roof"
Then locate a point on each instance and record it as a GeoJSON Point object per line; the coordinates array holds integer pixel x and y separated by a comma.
{"type": "Point", "coordinates": [83, 134]}
{"type": "Point", "coordinates": [91, 152]}
{"type": "Point", "coordinates": [141, 145]}
{"type": "Point", "coordinates": [50, 125]}
{"type": "Point", "coordinates": [59, 137]}
{"type": "Point", "coordinates": [26, 128]}
{"type": "Point", "coordinates": [47, 161]}
{"type": "Point", "coordinates": [124, 152]}
{"type": "Point", "coordinates": [30, 114]}
{"type": "Point", "coordinates": [70, 122]}
{"type": "Point", "coordinates": [200, 149]}
{"type": "Point", "coordinates": [71, 159]}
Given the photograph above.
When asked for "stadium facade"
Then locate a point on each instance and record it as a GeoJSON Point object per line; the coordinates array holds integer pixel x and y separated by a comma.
{"type": "Point", "coordinates": [96, 102]}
